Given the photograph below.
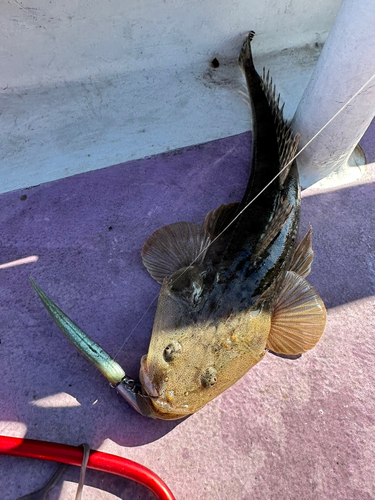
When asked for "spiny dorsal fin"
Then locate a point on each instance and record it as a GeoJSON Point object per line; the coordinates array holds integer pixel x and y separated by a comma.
{"type": "Point", "coordinates": [298, 319]}
{"type": "Point", "coordinates": [303, 256]}
{"type": "Point", "coordinates": [274, 227]}
{"type": "Point", "coordinates": [217, 220]}
{"type": "Point", "coordinates": [172, 247]}
{"type": "Point", "coordinates": [287, 141]}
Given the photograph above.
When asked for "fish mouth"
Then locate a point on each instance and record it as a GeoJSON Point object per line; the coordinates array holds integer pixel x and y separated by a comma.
{"type": "Point", "coordinates": [164, 409]}
{"type": "Point", "coordinates": [161, 406]}
{"type": "Point", "coordinates": [147, 385]}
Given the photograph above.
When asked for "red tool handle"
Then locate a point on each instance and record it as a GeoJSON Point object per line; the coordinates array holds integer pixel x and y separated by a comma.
{"type": "Point", "coordinates": [72, 455]}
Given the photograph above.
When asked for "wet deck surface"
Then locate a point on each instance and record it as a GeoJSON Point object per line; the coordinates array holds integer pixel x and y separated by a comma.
{"type": "Point", "coordinates": [286, 430]}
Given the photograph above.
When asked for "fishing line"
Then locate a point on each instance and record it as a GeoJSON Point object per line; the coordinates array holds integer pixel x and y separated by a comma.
{"type": "Point", "coordinates": [252, 201]}
{"type": "Point", "coordinates": [285, 166]}
{"type": "Point", "coordinates": [136, 326]}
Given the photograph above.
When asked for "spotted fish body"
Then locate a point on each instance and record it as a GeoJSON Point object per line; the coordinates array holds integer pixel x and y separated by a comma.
{"type": "Point", "coordinates": [224, 302]}
{"type": "Point", "coordinates": [232, 289]}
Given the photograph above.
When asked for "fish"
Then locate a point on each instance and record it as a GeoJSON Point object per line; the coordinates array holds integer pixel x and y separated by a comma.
{"type": "Point", "coordinates": [232, 289]}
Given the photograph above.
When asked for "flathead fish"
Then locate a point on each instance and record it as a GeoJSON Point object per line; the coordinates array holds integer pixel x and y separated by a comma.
{"type": "Point", "coordinates": [232, 289]}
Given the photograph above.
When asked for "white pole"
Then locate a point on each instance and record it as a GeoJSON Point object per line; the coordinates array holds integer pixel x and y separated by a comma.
{"type": "Point", "coordinates": [347, 61]}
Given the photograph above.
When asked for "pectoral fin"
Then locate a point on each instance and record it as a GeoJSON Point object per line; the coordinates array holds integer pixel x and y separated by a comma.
{"type": "Point", "coordinates": [172, 247]}
{"type": "Point", "coordinates": [298, 319]}
{"type": "Point", "coordinates": [303, 256]}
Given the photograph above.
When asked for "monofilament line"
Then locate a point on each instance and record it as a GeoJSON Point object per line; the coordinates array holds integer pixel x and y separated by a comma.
{"type": "Point", "coordinates": [285, 166]}
{"type": "Point", "coordinates": [252, 201]}
{"type": "Point", "coordinates": [136, 326]}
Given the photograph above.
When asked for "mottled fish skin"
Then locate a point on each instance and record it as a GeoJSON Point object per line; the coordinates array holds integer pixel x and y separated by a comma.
{"type": "Point", "coordinates": [214, 318]}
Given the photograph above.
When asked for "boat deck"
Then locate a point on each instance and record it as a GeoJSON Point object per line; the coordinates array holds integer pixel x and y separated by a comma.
{"type": "Point", "coordinates": [287, 430]}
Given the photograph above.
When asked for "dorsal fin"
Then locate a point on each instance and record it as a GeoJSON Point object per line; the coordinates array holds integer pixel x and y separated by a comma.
{"type": "Point", "coordinates": [287, 140]}
{"type": "Point", "coordinates": [298, 318]}
{"type": "Point", "coordinates": [303, 256]}
{"type": "Point", "coordinates": [274, 228]}
{"type": "Point", "coordinates": [172, 247]}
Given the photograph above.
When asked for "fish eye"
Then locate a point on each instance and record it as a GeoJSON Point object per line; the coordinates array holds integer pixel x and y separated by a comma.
{"type": "Point", "coordinates": [209, 377]}
{"type": "Point", "coordinates": [171, 351]}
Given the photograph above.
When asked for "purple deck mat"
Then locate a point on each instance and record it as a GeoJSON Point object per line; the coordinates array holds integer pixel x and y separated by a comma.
{"type": "Point", "coordinates": [287, 430]}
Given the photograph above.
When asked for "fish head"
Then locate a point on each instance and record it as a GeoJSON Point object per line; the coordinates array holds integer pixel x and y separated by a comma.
{"type": "Point", "coordinates": [194, 356]}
